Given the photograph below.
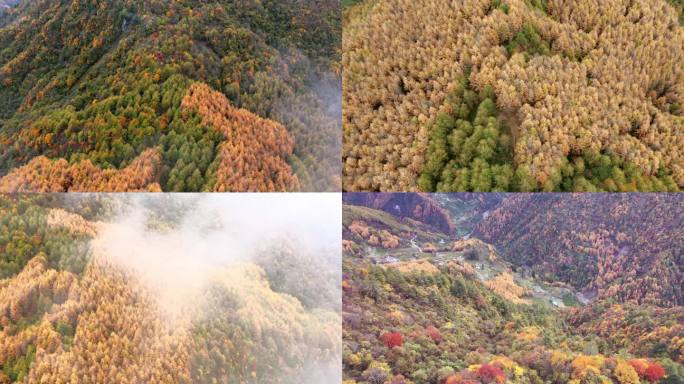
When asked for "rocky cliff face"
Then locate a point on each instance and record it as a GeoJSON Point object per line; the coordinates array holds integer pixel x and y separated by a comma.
{"type": "Point", "coordinates": [415, 206]}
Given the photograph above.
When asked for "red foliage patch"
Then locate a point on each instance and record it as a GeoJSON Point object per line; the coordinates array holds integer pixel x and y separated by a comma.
{"type": "Point", "coordinates": [434, 334]}
{"type": "Point", "coordinates": [461, 378]}
{"type": "Point", "coordinates": [654, 372]}
{"type": "Point", "coordinates": [491, 373]}
{"type": "Point", "coordinates": [392, 339]}
{"type": "Point", "coordinates": [651, 371]}
{"type": "Point", "coordinates": [639, 366]}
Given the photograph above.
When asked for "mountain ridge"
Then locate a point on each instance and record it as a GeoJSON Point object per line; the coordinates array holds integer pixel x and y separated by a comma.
{"type": "Point", "coordinates": [104, 82]}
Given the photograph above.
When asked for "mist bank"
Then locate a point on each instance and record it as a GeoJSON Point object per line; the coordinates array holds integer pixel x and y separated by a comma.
{"type": "Point", "coordinates": [262, 271]}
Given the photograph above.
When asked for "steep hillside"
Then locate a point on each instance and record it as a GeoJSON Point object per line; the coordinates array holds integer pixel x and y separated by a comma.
{"type": "Point", "coordinates": [623, 246]}
{"type": "Point", "coordinates": [405, 205]}
{"type": "Point", "coordinates": [442, 325]}
{"type": "Point", "coordinates": [104, 81]}
{"type": "Point", "coordinates": [253, 157]}
{"type": "Point", "coordinates": [505, 309]}
{"type": "Point", "coordinates": [102, 301]}
{"type": "Point", "coordinates": [44, 175]}
{"type": "Point", "coordinates": [378, 227]}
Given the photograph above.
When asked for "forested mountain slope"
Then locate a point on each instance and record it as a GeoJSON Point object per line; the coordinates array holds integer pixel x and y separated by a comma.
{"type": "Point", "coordinates": [468, 311]}
{"type": "Point", "coordinates": [79, 303]}
{"type": "Point", "coordinates": [418, 207]}
{"type": "Point", "coordinates": [443, 325]}
{"type": "Point", "coordinates": [514, 95]}
{"type": "Point", "coordinates": [104, 82]}
{"type": "Point", "coordinates": [624, 246]}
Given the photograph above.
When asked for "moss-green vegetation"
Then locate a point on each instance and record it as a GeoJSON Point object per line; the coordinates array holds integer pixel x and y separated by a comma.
{"type": "Point", "coordinates": [67, 332]}
{"type": "Point", "coordinates": [16, 369]}
{"type": "Point", "coordinates": [570, 300]}
{"type": "Point", "coordinates": [470, 148]}
{"type": "Point", "coordinates": [349, 3]}
{"type": "Point", "coordinates": [595, 172]}
{"type": "Point", "coordinates": [679, 6]}
{"type": "Point", "coordinates": [542, 5]}
{"type": "Point", "coordinates": [499, 4]}
{"type": "Point", "coordinates": [24, 233]}
{"type": "Point", "coordinates": [528, 41]}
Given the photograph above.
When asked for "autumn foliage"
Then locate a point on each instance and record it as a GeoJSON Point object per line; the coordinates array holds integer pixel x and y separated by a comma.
{"type": "Point", "coordinates": [565, 288]}
{"type": "Point", "coordinates": [654, 372]}
{"type": "Point", "coordinates": [570, 238]}
{"type": "Point", "coordinates": [514, 95]}
{"type": "Point", "coordinates": [434, 333]}
{"type": "Point", "coordinates": [648, 370]}
{"type": "Point", "coordinates": [504, 285]}
{"type": "Point", "coordinates": [44, 175]}
{"type": "Point", "coordinates": [254, 155]}
{"type": "Point", "coordinates": [374, 237]}
{"type": "Point", "coordinates": [415, 206]}
{"type": "Point", "coordinates": [88, 318]}
{"type": "Point", "coordinates": [639, 366]}
{"type": "Point", "coordinates": [625, 373]}
{"type": "Point", "coordinates": [392, 339]}
{"type": "Point", "coordinates": [104, 81]}
{"type": "Point", "coordinates": [491, 374]}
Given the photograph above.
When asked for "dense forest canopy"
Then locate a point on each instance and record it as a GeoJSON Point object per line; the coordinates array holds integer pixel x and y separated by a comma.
{"type": "Point", "coordinates": [530, 288]}
{"type": "Point", "coordinates": [169, 289]}
{"type": "Point", "coordinates": [514, 95]}
{"type": "Point", "coordinates": [103, 82]}
{"type": "Point", "coordinates": [624, 246]}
